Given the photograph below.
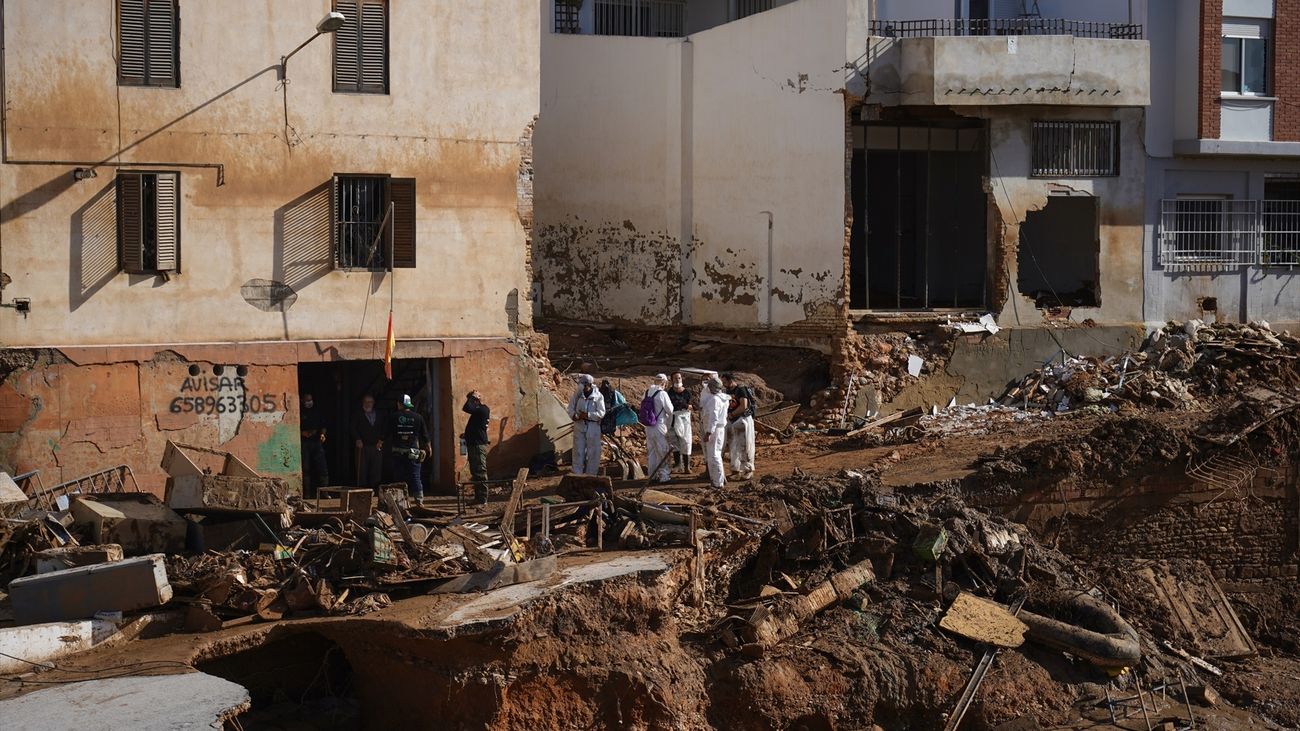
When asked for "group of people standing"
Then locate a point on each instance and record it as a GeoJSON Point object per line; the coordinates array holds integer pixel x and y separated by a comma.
{"type": "Point", "coordinates": [401, 440]}
{"type": "Point", "coordinates": [666, 411]}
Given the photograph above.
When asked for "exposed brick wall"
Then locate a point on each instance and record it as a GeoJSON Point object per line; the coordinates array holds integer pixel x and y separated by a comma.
{"type": "Point", "coordinates": [1207, 127]}
{"type": "Point", "coordinates": [1286, 71]}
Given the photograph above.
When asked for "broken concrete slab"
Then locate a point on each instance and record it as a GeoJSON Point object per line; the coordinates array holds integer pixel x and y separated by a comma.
{"type": "Point", "coordinates": [136, 583]}
{"type": "Point", "coordinates": [216, 494]}
{"type": "Point", "coordinates": [43, 643]}
{"type": "Point", "coordinates": [153, 703]}
{"type": "Point", "coordinates": [500, 575]}
{"type": "Point", "coordinates": [138, 522]}
{"type": "Point", "coordinates": [70, 557]}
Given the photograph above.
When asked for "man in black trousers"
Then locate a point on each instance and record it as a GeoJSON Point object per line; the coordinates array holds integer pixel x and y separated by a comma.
{"type": "Point", "coordinates": [476, 442]}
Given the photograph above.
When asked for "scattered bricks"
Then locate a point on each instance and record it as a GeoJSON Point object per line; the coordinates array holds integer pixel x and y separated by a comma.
{"type": "Point", "coordinates": [138, 522]}
{"type": "Point", "coordinates": [216, 494]}
{"type": "Point", "coordinates": [58, 559]}
{"type": "Point", "coordinates": [120, 586]}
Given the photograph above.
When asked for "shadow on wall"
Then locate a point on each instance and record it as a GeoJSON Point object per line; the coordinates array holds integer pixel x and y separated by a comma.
{"type": "Point", "coordinates": [302, 251]}
{"type": "Point", "coordinates": [93, 246]}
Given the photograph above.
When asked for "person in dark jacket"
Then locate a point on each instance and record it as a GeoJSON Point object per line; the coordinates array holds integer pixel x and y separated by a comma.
{"type": "Point", "coordinates": [476, 442]}
{"type": "Point", "coordinates": [408, 440]}
{"type": "Point", "coordinates": [315, 470]}
{"type": "Point", "coordinates": [368, 434]}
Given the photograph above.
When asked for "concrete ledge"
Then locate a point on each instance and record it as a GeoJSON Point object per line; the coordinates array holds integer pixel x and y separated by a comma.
{"type": "Point", "coordinates": [1236, 148]}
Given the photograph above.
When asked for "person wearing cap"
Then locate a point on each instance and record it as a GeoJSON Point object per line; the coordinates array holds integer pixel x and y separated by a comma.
{"type": "Point", "coordinates": [409, 445]}
{"type": "Point", "coordinates": [586, 408]}
{"type": "Point", "coordinates": [657, 416]}
{"type": "Point", "coordinates": [680, 433]}
{"type": "Point", "coordinates": [714, 404]}
{"type": "Point", "coordinates": [740, 427]}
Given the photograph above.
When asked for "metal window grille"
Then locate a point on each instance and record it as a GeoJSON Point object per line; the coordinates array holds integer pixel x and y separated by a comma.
{"type": "Point", "coordinates": [1280, 233]}
{"type": "Point", "coordinates": [1005, 27]}
{"type": "Point", "coordinates": [567, 16]}
{"type": "Point", "coordinates": [1075, 149]}
{"type": "Point", "coordinates": [650, 18]}
{"type": "Point", "coordinates": [746, 8]}
{"type": "Point", "coordinates": [1208, 234]}
{"type": "Point", "coordinates": [360, 204]}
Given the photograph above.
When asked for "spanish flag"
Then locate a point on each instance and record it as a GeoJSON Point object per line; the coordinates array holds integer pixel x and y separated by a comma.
{"type": "Point", "coordinates": [388, 349]}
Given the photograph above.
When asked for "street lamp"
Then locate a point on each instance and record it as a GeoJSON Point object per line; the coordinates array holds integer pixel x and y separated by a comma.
{"type": "Point", "coordinates": [328, 24]}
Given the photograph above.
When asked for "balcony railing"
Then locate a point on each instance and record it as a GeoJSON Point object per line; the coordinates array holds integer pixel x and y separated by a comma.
{"type": "Point", "coordinates": [1005, 27]}
{"type": "Point", "coordinates": [1220, 234]}
{"type": "Point", "coordinates": [652, 18]}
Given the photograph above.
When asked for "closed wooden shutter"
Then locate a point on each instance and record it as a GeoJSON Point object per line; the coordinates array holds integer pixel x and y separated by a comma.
{"type": "Point", "coordinates": [401, 192]}
{"type": "Point", "coordinates": [336, 218]}
{"type": "Point", "coordinates": [130, 231]}
{"type": "Point", "coordinates": [131, 41]}
{"type": "Point", "coordinates": [148, 43]}
{"type": "Point", "coordinates": [361, 47]}
{"type": "Point", "coordinates": [168, 212]}
{"type": "Point", "coordinates": [161, 49]}
{"type": "Point", "coordinates": [374, 47]}
{"type": "Point", "coordinates": [347, 62]}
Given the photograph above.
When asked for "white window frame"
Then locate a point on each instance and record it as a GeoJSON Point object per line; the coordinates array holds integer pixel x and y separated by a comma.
{"type": "Point", "coordinates": [1231, 30]}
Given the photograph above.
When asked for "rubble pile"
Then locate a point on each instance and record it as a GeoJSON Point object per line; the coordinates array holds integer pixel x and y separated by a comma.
{"type": "Point", "coordinates": [873, 368]}
{"type": "Point", "coordinates": [1178, 366]}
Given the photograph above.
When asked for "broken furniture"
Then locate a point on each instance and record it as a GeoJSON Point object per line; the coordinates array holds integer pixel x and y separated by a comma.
{"type": "Point", "coordinates": [68, 557]}
{"type": "Point", "coordinates": [120, 586]}
{"type": "Point", "coordinates": [138, 522]}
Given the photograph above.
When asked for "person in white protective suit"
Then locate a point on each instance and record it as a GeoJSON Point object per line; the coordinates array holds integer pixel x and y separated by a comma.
{"type": "Point", "coordinates": [656, 434]}
{"type": "Point", "coordinates": [586, 408]}
{"type": "Point", "coordinates": [714, 404]}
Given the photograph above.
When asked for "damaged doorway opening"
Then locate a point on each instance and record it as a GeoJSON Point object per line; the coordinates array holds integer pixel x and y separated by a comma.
{"type": "Point", "coordinates": [1059, 253]}
{"type": "Point", "coordinates": [919, 239]}
{"type": "Point", "coordinates": [338, 387]}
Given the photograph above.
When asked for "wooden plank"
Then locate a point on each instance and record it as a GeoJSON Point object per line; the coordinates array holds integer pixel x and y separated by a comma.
{"type": "Point", "coordinates": [512, 503]}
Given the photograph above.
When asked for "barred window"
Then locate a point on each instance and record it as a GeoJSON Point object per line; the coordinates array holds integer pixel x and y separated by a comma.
{"type": "Point", "coordinates": [374, 222]}
{"type": "Point", "coordinates": [567, 16]}
{"type": "Point", "coordinates": [1082, 149]}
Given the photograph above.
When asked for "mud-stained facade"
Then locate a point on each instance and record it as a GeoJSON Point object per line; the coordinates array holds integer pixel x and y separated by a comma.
{"type": "Point", "coordinates": [779, 168]}
{"type": "Point", "coordinates": [697, 181]}
{"type": "Point", "coordinates": [255, 159]}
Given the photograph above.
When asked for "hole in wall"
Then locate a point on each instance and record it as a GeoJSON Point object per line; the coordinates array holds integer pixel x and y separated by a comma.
{"type": "Point", "coordinates": [1059, 253]}
{"type": "Point", "coordinates": [195, 370]}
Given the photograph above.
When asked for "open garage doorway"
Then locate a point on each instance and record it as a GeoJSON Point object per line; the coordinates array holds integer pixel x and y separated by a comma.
{"type": "Point", "coordinates": [337, 387]}
{"type": "Point", "coordinates": [919, 210]}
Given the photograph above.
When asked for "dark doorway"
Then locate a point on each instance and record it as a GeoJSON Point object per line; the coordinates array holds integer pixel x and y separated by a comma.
{"type": "Point", "coordinates": [1059, 252]}
{"type": "Point", "coordinates": [918, 189]}
{"type": "Point", "coordinates": [338, 388]}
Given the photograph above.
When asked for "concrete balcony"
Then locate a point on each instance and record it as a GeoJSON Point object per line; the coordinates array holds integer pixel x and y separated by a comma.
{"type": "Point", "coordinates": [910, 66]}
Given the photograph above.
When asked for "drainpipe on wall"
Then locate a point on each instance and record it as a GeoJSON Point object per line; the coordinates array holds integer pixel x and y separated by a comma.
{"type": "Point", "coordinates": [771, 267]}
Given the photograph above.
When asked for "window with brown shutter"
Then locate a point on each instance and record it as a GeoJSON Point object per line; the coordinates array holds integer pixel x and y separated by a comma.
{"type": "Point", "coordinates": [361, 47]}
{"type": "Point", "coordinates": [374, 221]}
{"type": "Point", "coordinates": [148, 222]}
{"type": "Point", "coordinates": [148, 33]}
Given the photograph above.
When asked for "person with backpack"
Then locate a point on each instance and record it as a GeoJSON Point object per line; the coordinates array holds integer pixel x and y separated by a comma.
{"type": "Point", "coordinates": [656, 415]}
{"type": "Point", "coordinates": [740, 427]}
{"type": "Point", "coordinates": [714, 403]}
{"type": "Point", "coordinates": [586, 408]}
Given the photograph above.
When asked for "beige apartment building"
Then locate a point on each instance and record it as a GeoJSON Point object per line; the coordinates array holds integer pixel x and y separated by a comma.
{"type": "Point", "coordinates": [196, 229]}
